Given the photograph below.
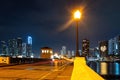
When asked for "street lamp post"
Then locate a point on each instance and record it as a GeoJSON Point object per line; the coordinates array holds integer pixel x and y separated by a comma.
{"type": "Point", "coordinates": [77, 16]}
{"type": "Point", "coordinates": [81, 71]}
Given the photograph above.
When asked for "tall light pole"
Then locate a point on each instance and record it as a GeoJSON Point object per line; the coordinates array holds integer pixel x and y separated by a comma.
{"type": "Point", "coordinates": [80, 70]}
{"type": "Point", "coordinates": [77, 16]}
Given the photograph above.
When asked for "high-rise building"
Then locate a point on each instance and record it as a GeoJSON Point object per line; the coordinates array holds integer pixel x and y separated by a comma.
{"type": "Point", "coordinates": [91, 52]}
{"type": "Point", "coordinates": [85, 47]}
{"type": "Point", "coordinates": [69, 54]}
{"type": "Point", "coordinates": [29, 47]}
{"type": "Point", "coordinates": [12, 47]}
{"type": "Point", "coordinates": [16, 47]}
{"type": "Point", "coordinates": [114, 46]}
{"type": "Point", "coordinates": [103, 47]}
{"type": "Point", "coordinates": [63, 51]}
{"type": "Point", "coordinates": [19, 46]}
{"type": "Point", "coordinates": [4, 48]}
{"type": "Point", "coordinates": [111, 47]}
{"type": "Point", "coordinates": [30, 40]}
{"type": "Point", "coordinates": [73, 53]}
{"type": "Point", "coordinates": [94, 52]}
{"type": "Point", "coordinates": [24, 47]}
{"type": "Point", "coordinates": [117, 45]}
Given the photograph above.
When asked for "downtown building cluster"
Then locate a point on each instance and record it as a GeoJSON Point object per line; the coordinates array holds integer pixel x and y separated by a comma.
{"type": "Point", "coordinates": [110, 47]}
{"type": "Point", "coordinates": [83, 52]}
{"type": "Point", "coordinates": [105, 49]}
{"type": "Point", "coordinates": [17, 48]}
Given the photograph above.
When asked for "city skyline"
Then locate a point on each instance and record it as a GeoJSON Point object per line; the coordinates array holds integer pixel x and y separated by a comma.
{"type": "Point", "coordinates": [44, 19]}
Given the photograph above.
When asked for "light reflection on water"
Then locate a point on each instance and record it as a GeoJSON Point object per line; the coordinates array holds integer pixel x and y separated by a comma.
{"type": "Point", "coordinates": [105, 68]}
{"type": "Point", "coordinates": [117, 68]}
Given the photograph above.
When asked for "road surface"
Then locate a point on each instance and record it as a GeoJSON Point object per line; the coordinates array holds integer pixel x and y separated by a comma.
{"type": "Point", "coordinates": [37, 71]}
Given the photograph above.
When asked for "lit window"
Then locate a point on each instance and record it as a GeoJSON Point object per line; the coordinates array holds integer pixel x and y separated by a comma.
{"type": "Point", "coordinates": [47, 51]}
{"type": "Point", "coordinates": [43, 51]}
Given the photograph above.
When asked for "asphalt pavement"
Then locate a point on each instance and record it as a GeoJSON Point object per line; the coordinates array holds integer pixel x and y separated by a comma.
{"type": "Point", "coordinates": [37, 72]}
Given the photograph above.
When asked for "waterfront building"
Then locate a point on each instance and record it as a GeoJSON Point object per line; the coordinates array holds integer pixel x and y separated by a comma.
{"type": "Point", "coordinates": [103, 48]}
{"type": "Point", "coordinates": [94, 52]}
{"type": "Point", "coordinates": [114, 46]}
{"type": "Point", "coordinates": [85, 47]}
{"type": "Point", "coordinates": [117, 45]}
{"type": "Point", "coordinates": [111, 47]}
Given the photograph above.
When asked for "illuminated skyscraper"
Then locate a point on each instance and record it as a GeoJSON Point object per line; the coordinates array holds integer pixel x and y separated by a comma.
{"type": "Point", "coordinates": [4, 48]}
{"type": "Point", "coordinates": [103, 47]}
{"type": "Point", "coordinates": [63, 51]}
{"type": "Point", "coordinates": [30, 40]}
{"type": "Point", "coordinates": [85, 47]}
{"type": "Point", "coordinates": [73, 53]}
{"type": "Point", "coordinates": [111, 47]}
{"type": "Point", "coordinates": [114, 46]}
{"type": "Point", "coordinates": [69, 54]}
{"type": "Point", "coordinates": [29, 47]}
{"type": "Point", "coordinates": [117, 45]}
{"type": "Point", "coordinates": [24, 49]}
{"type": "Point", "coordinates": [19, 46]}
{"type": "Point", "coordinates": [12, 47]}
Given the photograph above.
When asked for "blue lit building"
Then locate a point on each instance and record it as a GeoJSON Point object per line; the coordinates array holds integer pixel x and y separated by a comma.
{"type": "Point", "coordinates": [30, 40]}
{"type": "Point", "coordinates": [117, 45]}
{"type": "Point", "coordinates": [114, 46]}
{"type": "Point", "coordinates": [29, 47]}
{"type": "Point", "coordinates": [111, 47]}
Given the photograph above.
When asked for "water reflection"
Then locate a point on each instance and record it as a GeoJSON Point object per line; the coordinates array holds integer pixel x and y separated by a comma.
{"type": "Point", "coordinates": [117, 68]}
{"type": "Point", "coordinates": [109, 69]}
{"type": "Point", "coordinates": [103, 69]}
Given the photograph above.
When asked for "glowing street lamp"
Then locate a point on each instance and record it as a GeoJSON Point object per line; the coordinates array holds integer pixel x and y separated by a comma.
{"type": "Point", "coordinates": [77, 16]}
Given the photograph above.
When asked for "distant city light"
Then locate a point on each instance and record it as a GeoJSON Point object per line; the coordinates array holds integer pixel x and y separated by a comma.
{"type": "Point", "coordinates": [32, 56]}
{"type": "Point", "coordinates": [20, 56]}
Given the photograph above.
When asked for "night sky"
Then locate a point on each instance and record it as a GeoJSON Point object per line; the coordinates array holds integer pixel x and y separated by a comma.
{"type": "Point", "coordinates": [45, 20]}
